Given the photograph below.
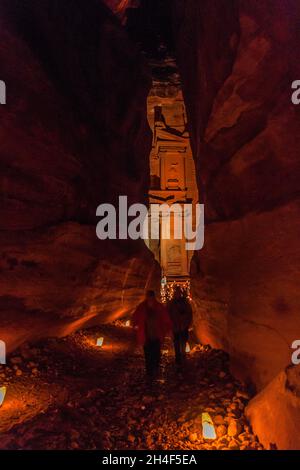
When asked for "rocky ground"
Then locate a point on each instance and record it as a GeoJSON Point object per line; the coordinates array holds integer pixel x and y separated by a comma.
{"type": "Point", "coordinates": [70, 394]}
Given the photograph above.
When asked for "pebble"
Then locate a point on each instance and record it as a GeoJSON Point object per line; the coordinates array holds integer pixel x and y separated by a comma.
{"type": "Point", "coordinates": [221, 430]}
{"type": "Point", "coordinates": [233, 445]}
{"type": "Point", "coordinates": [193, 437]}
{"type": "Point", "coordinates": [223, 440]}
{"type": "Point", "coordinates": [218, 420]}
{"type": "Point", "coordinates": [234, 428]}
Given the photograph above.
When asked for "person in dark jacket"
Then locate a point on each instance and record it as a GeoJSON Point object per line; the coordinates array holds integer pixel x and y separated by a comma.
{"type": "Point", "coordinates": [152, 322]}
{"type": "Point", "coordinates": [181, 315]}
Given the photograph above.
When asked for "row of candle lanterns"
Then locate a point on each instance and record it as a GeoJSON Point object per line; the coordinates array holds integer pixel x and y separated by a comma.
{"type": "Point", "coordinates": [100, 342]}
{"type": "Point", "coordinates": [208, 429]}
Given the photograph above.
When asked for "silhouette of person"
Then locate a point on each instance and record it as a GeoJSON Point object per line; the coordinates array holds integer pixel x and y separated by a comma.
{"type": "Point", "coordinates": [181, 315]}
{"type": "Point", "coordinates": [152, 322]}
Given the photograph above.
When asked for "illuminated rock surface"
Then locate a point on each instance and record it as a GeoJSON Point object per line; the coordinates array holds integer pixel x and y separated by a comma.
{"type": "Point", "coordinates": [275, 412]}
{"type": "Point", "coordinates": [66, 147]}
{"type": "Point", "coordinates": [119, 7]}
{"type": "Point", "coordinates": [245, 134]}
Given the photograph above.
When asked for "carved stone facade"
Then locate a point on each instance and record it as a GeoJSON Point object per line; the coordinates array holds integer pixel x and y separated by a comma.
{"type": "Point", "coordinates": [172, 171]}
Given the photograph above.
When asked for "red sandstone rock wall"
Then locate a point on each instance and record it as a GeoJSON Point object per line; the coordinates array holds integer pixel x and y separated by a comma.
{"type": "Point", "coordinates": [74, 133]}
{"type": "Point", "coordinates": [119, 7]}
{"type": "Point", "coordinates": [238, 60]}
{"type": "Point", "coordinates": [275, 411]}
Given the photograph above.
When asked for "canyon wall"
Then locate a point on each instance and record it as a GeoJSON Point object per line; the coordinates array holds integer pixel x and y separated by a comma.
{"type": "Point", "coordinates": [119, 7]}
{"type": "Point", "coordinates": [238, 60]}
{"type": "Point", "coordinates": [74, 134]}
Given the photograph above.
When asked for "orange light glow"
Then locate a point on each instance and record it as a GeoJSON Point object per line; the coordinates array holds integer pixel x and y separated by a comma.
{"type": "Point", "coordinates": [122, 5]}
{"type": "Point", "coordinates": [127, 323]}
{"type": "Point", "coordinates": [100, 342]}
{"type": "Point", "coordinates": [187, 348]}
{"type": "Point", "coordinates": [2, 395]}
{"type": "Point", "coordinates": [208, 429]}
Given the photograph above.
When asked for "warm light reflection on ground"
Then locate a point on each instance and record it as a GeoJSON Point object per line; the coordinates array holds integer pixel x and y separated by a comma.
{"type": "Point", "coordinates": [108, 345]}
{"type": "Point", "coordinates": [59, 388]}
{"type": "Point", "coordinates": [26, 398]}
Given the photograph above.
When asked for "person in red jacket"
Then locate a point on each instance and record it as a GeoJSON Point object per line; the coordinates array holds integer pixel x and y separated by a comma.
{"type": "Point", "coordinates": [152, 322]}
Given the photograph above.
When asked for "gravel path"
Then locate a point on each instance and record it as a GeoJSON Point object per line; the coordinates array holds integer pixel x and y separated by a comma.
{"type": "Point", "coordinates": [68, 394]}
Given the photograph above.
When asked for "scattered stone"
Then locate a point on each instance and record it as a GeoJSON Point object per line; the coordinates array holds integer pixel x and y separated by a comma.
{"type": "Point", "coordinates": [233, 445]}
{"type": "Point", "coordinates": [243, 394]}
{"type": "Point", "coordinates": [113, 408]}
{"type": "Point", "coordinates": [218, 420]}
{"type": "Point", "coordinates": [234, 428]}
{"type": "Point", "coordinates": [193, 437]}
{"type": "Point", "coordinates": [223, 440]}
{"type": "Point", "coordinates": [221, 430]}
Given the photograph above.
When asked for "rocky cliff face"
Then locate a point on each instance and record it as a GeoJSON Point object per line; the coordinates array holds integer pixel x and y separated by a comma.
{"type": "Point", "coordinates": [67, 145]}
{"type": "Point", "coordinates": [246, 143]}
{"type": "Point", "coordinates": [275, 411]}
{"type": "Point", "coordinates": [119, 7]}
{"type": "Point", "coordinates": [238, 60]}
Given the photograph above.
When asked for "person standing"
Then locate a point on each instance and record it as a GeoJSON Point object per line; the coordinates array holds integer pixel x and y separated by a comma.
{"type": "Point", "coordinates": [152, 322]}
{"type": "Point", "coordinates": [181, 315]}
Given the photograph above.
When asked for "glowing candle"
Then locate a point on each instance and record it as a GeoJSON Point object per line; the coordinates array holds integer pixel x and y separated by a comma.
{"type": "Point", "coordinates": [127, 323]}
{"type": "Point", "coordinates": [2, 395]}
{"type": "Point", "coordinates": [208, 429]}
{"type": "Point", "coordinates": [187, 348]}
{"type": "Point", "coordinates": [100, 342]}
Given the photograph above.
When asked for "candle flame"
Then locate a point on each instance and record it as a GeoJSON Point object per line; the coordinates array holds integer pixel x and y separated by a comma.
{"type": "Point", "coordinates": [208, 429]}
{"type": "Point", "coordinates": [100, 341]}
{"type": "Point", "coordinates": [187, 348]}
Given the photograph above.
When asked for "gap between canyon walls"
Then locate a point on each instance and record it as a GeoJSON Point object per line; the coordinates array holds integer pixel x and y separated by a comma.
{"type": "Point", "coordinates": [74, 135]}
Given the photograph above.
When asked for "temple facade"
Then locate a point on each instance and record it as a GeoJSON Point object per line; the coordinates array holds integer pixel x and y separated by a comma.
{"type": "Point", "coordinates": [172, 171]}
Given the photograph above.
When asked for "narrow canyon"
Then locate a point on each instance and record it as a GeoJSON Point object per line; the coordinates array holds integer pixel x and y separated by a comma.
{"type": "Point", "coordinates": [97, 95]}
